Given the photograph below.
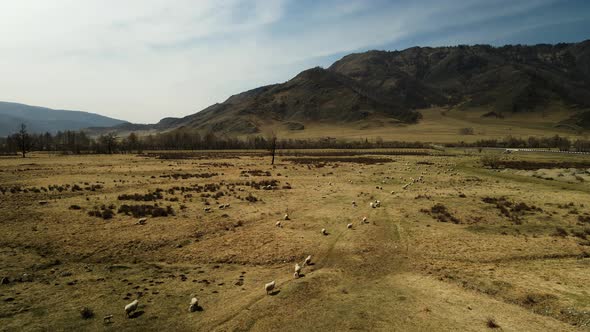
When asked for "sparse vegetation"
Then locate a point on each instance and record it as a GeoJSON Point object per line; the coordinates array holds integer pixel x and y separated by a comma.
{"type": "Point", "coordinates": [86, 313]}
{"type": "Point", "coordinates": [479, 230]}
{"type": "Point", "coordinates": [440, 213]}
{"type": "Point", "coordinates": [491, 323]}
{"type": "Point", "coordinates": [144, 210]}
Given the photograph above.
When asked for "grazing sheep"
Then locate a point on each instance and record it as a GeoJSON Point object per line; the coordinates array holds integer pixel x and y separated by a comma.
{"type": "Point", "coordinates": [278, 224]}
{"type": "Point", "coordinates": [353, 203]}
{"type": "Point", "coordinates": [269, 287]}
{"type": "Point", "coordinates": [349, 226]}
{"type": "Point", "coordinates": [207, 209]}
{"type": "Point", "coordinates": [142, 221]}
{"type": "Point", "coordinates": [307, 260]}
{"type": "Point", "coordinates": [324, 232]}
{"type": "Point", "coordinates": [297, 268]}
{"type": "Point", "coordinates": [364, 219]}
{"type": "Point", "coordinates": [286, 217]}
{"type": "Point", "coordinates": [372, 205]}
{"type": "Point", "coordinates": [194, 305]}
{"type": "Point", "coordinates": [131, 307]}
{"type": "Point", "coordinates": [108, 319]}
{"type": "Point", "coordinates": [296, 275]}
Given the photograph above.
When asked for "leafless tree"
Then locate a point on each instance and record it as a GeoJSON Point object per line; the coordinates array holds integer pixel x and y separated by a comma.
{"type": "Point", "coordinates": [22, 140]}
{"type": "Point", "coordinates": [272, 139]}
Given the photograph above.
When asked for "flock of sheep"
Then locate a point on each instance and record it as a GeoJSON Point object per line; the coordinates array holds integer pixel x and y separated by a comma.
{"type": "Point", "coordinates": [132, 307]}
{"type": "Point", "coordinates": [269, 287]}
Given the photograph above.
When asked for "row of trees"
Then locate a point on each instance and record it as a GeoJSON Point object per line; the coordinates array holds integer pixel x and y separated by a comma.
{"type": "Point", "coordinates": [67, 141]}
{"type": "Point", "coordinates": [79, 142]}
{"type": "Point", "coordinates": [554, 142]}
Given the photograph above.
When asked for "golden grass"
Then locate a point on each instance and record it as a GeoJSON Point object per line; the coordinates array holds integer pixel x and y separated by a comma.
{"type": "Point", "coordinates": [442, 126]}
{"type": "Point", "coordinates": [403, 270]}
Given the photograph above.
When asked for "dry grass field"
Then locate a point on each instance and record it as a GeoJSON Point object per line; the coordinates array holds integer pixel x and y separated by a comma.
{"type": "Point", "coordinates": [462, 247]}
{"type": "Point", "coordinates": [443, 126]}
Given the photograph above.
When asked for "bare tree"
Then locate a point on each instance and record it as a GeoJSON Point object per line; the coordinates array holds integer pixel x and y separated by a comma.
{"type": "Point", "coordinates": [22, 140]}
{"type": "Point", "coordinates": [273, 145]}
{"type": "Point", "coordinates": [108, 141]}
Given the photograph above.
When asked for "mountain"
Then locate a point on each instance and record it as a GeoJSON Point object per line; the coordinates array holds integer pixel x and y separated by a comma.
{"type": "Point", "coordinates": [505, 79]}
{"type": "Point", "coordinates": [393, 88]}
{"type": "Point", "coordinates": [41, 119]}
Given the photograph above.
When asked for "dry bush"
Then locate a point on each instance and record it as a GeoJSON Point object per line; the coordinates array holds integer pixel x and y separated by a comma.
{"type": "Point", "coordinates": [466, 131]}
{"type": "Point", "coordinates": [491, 323]}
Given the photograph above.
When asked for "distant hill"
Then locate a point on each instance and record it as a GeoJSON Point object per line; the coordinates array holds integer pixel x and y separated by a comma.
{"type": "Point", "coordinates": [383, 88]}
{"type": "Point", "coordinates": [41, 119]}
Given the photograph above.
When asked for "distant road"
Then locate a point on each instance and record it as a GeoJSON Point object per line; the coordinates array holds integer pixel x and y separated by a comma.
{"type": "Point", "coordinates": [510, 150]}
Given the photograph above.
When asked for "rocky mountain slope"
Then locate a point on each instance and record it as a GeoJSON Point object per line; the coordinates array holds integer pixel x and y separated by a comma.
{"type": "Point", "coordinates": [395, 85]}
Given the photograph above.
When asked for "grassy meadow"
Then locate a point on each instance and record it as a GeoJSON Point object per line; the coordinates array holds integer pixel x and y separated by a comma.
{"type": "Point", "coordinates": [443, 125]}
{"type": "Point", "coordinates": [462, 247]}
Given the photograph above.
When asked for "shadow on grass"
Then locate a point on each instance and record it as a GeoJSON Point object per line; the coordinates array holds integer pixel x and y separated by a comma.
{"type": "Point", "coordinates": [136, 314]}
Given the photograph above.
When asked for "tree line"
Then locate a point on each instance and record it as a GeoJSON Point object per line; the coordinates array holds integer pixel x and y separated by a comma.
{"type": "Point", "coordinates": [78, 142]}
{"type": "Point", "coordinates": [554, 142]}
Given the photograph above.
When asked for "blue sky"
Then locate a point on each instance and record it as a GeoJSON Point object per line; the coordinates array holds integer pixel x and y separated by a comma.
{"type": "Point", "coordinates": [142, 60]}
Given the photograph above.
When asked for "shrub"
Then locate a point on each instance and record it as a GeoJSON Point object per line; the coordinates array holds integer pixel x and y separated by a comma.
{"type": "Point", "coordinates": [560, 231]}
{"type": "Point", "coordinates": [139, 211]}
{"type": "Point", "coordinates": [86, 313]}
{"type": "Point", "coordinates": [466, 131]}
{"type": "Point", "coordinates": [491, 323]}
{"type": "Point", "coordinates": [492, 161]}
{"type": "Point", "coordinates": [139, 197]}
{"type": "Point", "coordinates": [104, 213]}
{"type": "Point", "coordinates": [580, 234]}
{"type": "Point", "coordinates": [251, 198]}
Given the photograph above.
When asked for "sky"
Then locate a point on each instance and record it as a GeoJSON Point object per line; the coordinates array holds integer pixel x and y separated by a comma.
{"type": "Point", "coordinates": [143, 60]}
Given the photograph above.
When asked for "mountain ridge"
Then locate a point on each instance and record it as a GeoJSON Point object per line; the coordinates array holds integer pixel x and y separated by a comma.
{"type": "Point", "coordinates": [395, 85]}
{"type": "Point", "coordinates": [42, 119]}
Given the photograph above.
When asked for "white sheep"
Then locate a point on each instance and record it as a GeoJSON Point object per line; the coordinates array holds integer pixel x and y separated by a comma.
{"type": "Point", "coordinates": [372, 205]}
{"type": "Point", "coordinates": [269, 287]}
{"type": "Point", "coordinates": [297, 268]}
{"type": "Point", "coordinates": [286, 217]}
{"type": "Point", "coordinates": [307, 260]}
{"type": "Point", "coordinates": [296, 275]}
{"type": "Point", "coordinates": [324, 232]}
{"type": "Point", "coordinates": [364, 219]}
{"type": "Point", "coordinates": [278, 224]}
{"type": "Point", "coordinates": [131, 307]}
{"type": "Point", "coordinates": [349, 226]}
{"type": "Point", "coordinates": [141, 221]}
{"type": "Point", "coordinates": [194, 306]}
